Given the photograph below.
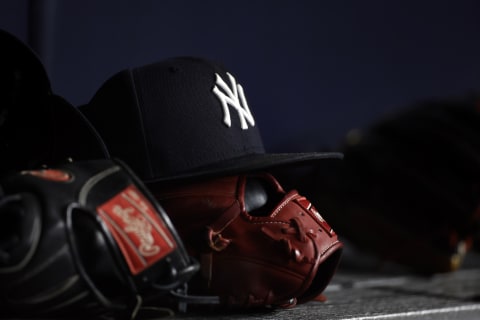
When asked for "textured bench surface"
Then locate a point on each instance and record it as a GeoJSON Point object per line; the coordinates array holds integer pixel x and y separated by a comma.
{"type": "Point", "coordinates": [361, 293]}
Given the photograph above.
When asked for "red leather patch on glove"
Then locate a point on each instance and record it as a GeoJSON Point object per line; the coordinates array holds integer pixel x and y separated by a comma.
{"type": "Point", "coordinates": [140, 233]}
{"type": "Point", "coordinates": [50, 174]}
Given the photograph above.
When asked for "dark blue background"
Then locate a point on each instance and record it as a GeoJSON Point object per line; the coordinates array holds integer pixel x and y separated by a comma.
{"type": "Point", "coordinates": [311, 70]}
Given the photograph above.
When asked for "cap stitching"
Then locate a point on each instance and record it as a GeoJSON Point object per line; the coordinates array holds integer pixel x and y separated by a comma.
{"type": "Point", "coordinates": [142, 126]}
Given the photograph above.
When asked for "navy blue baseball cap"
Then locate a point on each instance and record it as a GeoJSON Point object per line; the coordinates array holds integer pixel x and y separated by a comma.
{"type": "Point", "coordinates": [37, 127]}
{"type": "Point", "coordinates": [183, 118]}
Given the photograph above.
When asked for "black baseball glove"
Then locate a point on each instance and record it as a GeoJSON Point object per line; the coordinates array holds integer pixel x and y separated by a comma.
{"type": "Point", "coordinates": [85, 239]}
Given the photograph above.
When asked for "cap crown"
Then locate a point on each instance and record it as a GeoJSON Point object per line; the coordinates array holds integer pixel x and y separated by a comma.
{"type": "Point", "coordinates": [174, 116]}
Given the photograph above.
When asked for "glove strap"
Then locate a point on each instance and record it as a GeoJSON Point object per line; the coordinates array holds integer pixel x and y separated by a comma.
{"type": "Point", "coordinates": [184, 299]}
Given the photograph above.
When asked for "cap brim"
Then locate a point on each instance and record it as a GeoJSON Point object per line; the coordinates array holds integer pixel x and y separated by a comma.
{"type": "Point", "coordinates": [248, 163]}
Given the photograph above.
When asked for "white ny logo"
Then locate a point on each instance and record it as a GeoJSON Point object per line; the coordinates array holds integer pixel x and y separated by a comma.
{"type": "Point", "coordinates": [234, 97]}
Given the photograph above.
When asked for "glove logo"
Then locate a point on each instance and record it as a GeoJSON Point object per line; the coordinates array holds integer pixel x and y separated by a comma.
{"type": "Point", "coordinates": [140, 227]}
{"type": "Point", "coordinates": [234, 97]}
{"type": "Point", "coordinates": [142, 236]}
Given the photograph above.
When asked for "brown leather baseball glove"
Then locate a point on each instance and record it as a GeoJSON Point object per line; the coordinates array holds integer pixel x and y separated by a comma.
{"type": "Point", "coordinates": [258, 245]}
